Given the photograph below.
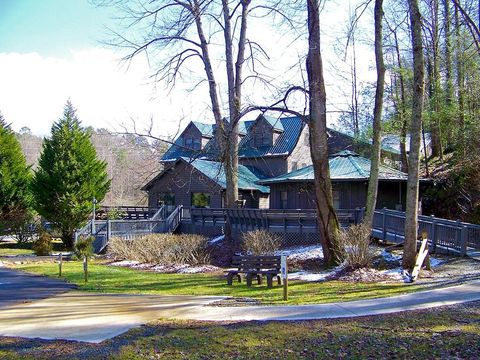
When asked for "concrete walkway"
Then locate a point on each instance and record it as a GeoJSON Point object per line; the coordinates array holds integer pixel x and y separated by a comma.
{"type": "Point", "coordinates": [95, 317]}
{"type": "Point", "coordinates": [414, 301]}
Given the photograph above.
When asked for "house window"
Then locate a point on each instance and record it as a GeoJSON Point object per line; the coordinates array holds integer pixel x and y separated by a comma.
{"type": "Point", "coordinates": [336, 199]}
{"type": "Point", "coordinates": [197, 144]}
{"type": "Point", "coordinates": [166, 198]}
{"type": "Point", "coordinates": [306, 140]}
{"type": "Point", "coordinates": [193, 143]}
{"type": "Point", "coordinates": [266, 140]}
{"type": "Point", "coordinates": [200, 200]}
{"type": "Point", "coordinates": [294, 165]}
{"type": "Point", "coordinates": [283, 199]}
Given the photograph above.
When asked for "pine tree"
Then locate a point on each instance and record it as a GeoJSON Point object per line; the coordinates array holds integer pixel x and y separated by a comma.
{"type": "Point", "coordinates": [69, 176]}
{"type": "Point", "coordinates": [15, 176]}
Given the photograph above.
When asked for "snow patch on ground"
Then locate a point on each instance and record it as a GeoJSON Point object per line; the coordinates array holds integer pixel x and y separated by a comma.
{"type": "Point", "coordinates": [125, 263]}
{"type": "Point", "coordinates": [435, 262]}
{"type": "Point", "coordinates": [390, 257]}
{"type": "Point", "coordinates": [179, 269]}
{"type": "Point", "coordinates": [302, 252]}
{"type": "Point", "coordinates": [313, 276]}
{"type": "Point", "coordinates": [217, 239]}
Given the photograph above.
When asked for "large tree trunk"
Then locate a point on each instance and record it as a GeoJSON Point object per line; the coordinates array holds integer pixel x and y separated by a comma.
{"type": "Point", "coordinates": [411, 215]}
{"type": "Point", "coordinates": [377, 116]}
{"type": "Point", "coordinates": [327, 218]}
{"type": "Point", "coordinates": [234, 79]}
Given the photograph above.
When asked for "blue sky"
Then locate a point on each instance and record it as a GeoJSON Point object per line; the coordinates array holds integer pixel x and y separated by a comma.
{"type": "Point", "coordinates": [51, 51]}
{"type": "Point", "coordinates": [51, 27]}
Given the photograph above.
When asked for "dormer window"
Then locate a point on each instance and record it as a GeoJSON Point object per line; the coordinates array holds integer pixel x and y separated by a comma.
{"type": "Point", "coordinates": [262, 139]}
{"type": "Point", "coordinates": [193, 143]}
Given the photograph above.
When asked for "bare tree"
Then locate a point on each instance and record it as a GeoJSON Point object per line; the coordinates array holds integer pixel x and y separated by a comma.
{"type": "Point", "coordinates": [317, 122]}
{"type": "Point", "coordinates": [175, 32]}
{"type": "Point", "coordinates": [377, 115]}
{"type": "Point", "coordinates": [411, 215]}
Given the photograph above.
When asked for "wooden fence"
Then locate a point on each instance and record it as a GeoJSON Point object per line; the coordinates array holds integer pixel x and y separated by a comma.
{"type": "Point", "coordinates": [126, 212]}
{"type": "Point", "coordinates": [447, 235]}
{"type": "Point", "coordinates": [273, 220]}
{"type": "Point", "coordinates": [444, 235]}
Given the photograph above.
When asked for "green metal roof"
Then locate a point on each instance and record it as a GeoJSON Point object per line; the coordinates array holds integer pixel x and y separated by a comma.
{"type": "Point", "coordinates": [247, 179]}
{"type": "Point", "coordinates": [345, 165]}
{"type": "Point", "coordinates": [205, 129]}
{"type": "Point", "coordinates": [275, 122]}
{"type": "Point", "coordinates": [291, 129]}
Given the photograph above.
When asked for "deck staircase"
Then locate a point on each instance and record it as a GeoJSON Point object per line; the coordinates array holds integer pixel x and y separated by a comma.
{"type": "Point", "coordinates": [164, 220]}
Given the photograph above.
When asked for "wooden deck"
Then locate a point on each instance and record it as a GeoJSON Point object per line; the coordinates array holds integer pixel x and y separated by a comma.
{"type": "Point", "coordinates": [273, 220]}
{"type": "Point", "coordinates": [444, 235]}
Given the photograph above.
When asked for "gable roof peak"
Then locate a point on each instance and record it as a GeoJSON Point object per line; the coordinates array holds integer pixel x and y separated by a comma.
{"type": "Point", "coordinates": [346, 153]}
{"type": "Point", "coordinates": [275, 122]}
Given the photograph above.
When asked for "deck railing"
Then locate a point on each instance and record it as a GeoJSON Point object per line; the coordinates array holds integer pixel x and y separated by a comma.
{"type": "Point", "coordinates": [129, 212]}
{"type": "Point", "coordinates": [274, 220]}
{"type": "Point", "coordinates": [448, 235]}
{"type": "Point", "coordinates": [164, 220]}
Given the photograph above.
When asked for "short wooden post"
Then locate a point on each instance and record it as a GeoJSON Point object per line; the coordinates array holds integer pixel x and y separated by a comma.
{"type": "Point", "coordinates": [60, 261]}
{"type": "Point", "coordinates": [85, 268]}
{"type": "Point", "coordinates": [284, 270]}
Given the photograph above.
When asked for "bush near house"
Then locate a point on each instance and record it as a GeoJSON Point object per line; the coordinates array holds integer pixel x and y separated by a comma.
{"type": "Point", "coordinates": [260, 242]}
{"type": "Point", "coordinates": [42, 246]}
{"type": "Point", "coordinates": [165, 249]}
{"type": "Point", "coordinates": [355, 246]}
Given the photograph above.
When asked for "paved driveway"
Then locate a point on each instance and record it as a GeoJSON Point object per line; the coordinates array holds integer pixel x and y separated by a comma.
{"type": "Point", "coordinates": [20, 287]}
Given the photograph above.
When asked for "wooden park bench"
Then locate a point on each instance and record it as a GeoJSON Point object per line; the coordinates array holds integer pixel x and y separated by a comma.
{"type": "Point", "coordinates": [255, 266]}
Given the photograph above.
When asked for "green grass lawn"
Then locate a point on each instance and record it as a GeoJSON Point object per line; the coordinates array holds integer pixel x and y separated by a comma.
{"type": "Point", "coordinates": [13, 248]}
{"type": "Point", "coordinates": [429, 334]}
{"type": "Point", "coordinates": [109, 279]}
{"type": "Point", "coordinates": [450, 332]}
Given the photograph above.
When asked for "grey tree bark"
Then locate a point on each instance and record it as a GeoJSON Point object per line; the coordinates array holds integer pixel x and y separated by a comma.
{"type": "Point", "coordinates": [411, 215]}
{"type": "Point", "coordinates": [328, 222]}
{"type": "Point", "coordinates": [377, 115]}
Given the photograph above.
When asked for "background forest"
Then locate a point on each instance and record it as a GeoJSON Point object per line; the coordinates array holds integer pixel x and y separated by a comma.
{"type": "Point", "coordinates": [131, 160]}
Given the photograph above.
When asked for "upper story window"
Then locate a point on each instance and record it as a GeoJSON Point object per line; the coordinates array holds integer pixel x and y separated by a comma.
{"type": "Point", "coordinates": [262, 138]}
{"type": "Point", "coordinates": [193, 143]}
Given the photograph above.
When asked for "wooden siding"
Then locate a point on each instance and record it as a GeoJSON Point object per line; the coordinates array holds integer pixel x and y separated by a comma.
{"type": "Point", "coordinates": [270, 166]}
{"type": "Point", "coordinates": [301, 154]}
{"type": "Point", "coordinates": [182, 180]}
{"type": "Point", "coordinates": [352, 194]}
{"type": "Point", "coordinates": [260, 130]}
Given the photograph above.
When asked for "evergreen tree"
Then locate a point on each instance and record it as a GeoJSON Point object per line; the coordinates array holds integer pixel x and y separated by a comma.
{"type": "Point", "coordinates": [69, 176]}
{"type": "Point", "coordinates": [15, 196]}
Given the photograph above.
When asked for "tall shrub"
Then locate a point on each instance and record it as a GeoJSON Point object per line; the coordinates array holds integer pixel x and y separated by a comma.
{"type": "Point", "coordinates": [69, 176]}
{"type": "Point", "coordinates": [15, 176]}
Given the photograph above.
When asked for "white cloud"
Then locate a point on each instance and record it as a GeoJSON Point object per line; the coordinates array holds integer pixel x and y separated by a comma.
{"type": "Point", "coordinates": [34, 89]}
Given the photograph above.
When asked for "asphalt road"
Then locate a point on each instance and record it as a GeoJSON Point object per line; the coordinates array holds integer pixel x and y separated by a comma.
{"type": "Point", "coordinates": [19, 287]}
